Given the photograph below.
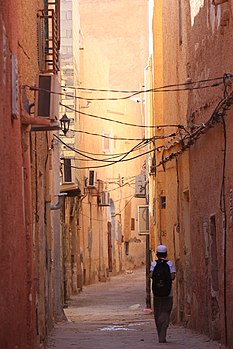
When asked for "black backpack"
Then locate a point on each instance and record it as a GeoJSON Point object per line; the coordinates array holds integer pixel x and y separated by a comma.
{"type": "Point", "coordinates": [161, 279]}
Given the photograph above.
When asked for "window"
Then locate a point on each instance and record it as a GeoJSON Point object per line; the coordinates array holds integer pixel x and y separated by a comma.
{"type": "Point", "coordinates": [106, 142]}
{"type": "Point", "coordinates": [127, 248]}
{"type": "Point", "coordinates": [132, 223]}
{"type": "Point", "coordinates": [163, 203]}
{"type": "Point", "coordinates": [67, 170]}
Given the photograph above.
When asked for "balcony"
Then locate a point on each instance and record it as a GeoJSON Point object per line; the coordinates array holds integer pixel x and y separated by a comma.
{"type": "Point", "coordinates": [48, 34]}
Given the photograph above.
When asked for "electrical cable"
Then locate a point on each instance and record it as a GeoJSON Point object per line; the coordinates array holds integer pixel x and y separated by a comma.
{"type": "Point", "coordinates": [121, 186]}
{"type": "Point", "coordinates": [119, 122]}
{"type": "Point", "coordinates": [148, 90]}
{"type": "Point", "coordinates": [112, 155]}
{"type": "Point", "coordinates": [126, 205]}
{"type": "Point", "coordinates": [130, 183]}
{"type": "Point", "coordinates": [152, 139]}
{"type": "Point", "coordinates": [141, 145]}
{"type": "Point", "coordinates": [155, 90]}
{"type": "Point", "coordinates": [101, 220]}
{"type": "Point", "coordinates": [112, 162]}
{"type": "Point", "coordinates": [219, 111]}
{"type": "Point", "coordinates": [115, 162]}
{"type": "Point", "coordinates": [136, 147]}
{"type": "Point", "coordinates": [126, 197]}
{"type": "Point", "coordinates": [189, 138]}
{"type": "Point", "coordinates": [107, 137]}
{"type": "Point", "coordinates": [165, 88]}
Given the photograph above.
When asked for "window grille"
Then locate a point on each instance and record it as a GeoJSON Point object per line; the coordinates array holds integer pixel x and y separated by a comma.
{"type": "Point", "coordinates": [48, 38]}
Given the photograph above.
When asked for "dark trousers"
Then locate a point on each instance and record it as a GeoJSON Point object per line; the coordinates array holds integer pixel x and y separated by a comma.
{"type": "Point", "coordinates": [162, 311]}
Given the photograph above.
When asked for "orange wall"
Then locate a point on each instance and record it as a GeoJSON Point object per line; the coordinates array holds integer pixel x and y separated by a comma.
{"type": "Point", "coordinates": [114, 56]}
{"type": "Point", "coordinates": [193, 187]}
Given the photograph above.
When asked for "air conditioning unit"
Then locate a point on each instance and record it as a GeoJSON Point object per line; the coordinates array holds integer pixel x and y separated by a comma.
{"type": "Point", "coordinates": [91, 180]}
{"type": "Point", "coordinates": [104, 199]}
{"type": "Point", "coordinates": [143, 219]}
{"type": "Point", "coordinates": [47, 96]}
{"type": "Point", "coordinates": [140, 186]}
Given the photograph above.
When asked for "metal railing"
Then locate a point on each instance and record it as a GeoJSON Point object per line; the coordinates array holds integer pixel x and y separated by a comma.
{"type": "Point", "coordinates": [48, 34]}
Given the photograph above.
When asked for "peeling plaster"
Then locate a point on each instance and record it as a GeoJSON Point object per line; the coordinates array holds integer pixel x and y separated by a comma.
{"type": "Point", "coordinates": [212, 16]}
{"type": "Point", "coordinates": [215, 16]}
{"type": "Point", "coordinates": [195, 6]}
{"type": "Point", "coordinates": [214, 13]}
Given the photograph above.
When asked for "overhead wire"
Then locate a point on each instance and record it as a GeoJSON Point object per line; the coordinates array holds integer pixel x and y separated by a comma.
{"type": "Point", "coordinates": [130, 182]}
{"type": "Point", "coordinates": [113, 155]}
{"type": "Point", "coordinates": [120, 185]}
{"type": "Point", "coordinates": [148, 90]}
{"type": "Point", "coordinates": [131, 139]}
{"type": "Point", "coordinates": [155, 90]}
{"type": "Point", "coordinates": [128, 202]}
{"type": "Point", "coordinates": [102, 220]}
{"type": "Point", "coordinates": [136, 147]}
{"type": "Point", "coordinates": [118, 121]}
{"type": "Point", "coordinates": [141, 144]}
{"type": "Point", "coordinates": [122, 159]}
{"type": "Point", "coordinates": [126, 197]}
{"type": "Point", "coordinates": [115, 162]}
{"type": "Point", "coordinates": [165, 88]}
{"type": "Point", "coordinates": [107, 137]}
{"type": "Point", "coordinates": [188, 140]}
{"type": "Point", "coordinates": [185, 141]}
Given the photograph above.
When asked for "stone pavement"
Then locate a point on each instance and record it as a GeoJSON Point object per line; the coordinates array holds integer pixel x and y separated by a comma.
{"type": "Point", "coordinates": [111, 315]}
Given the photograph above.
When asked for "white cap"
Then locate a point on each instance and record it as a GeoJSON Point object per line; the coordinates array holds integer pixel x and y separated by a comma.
{"type": "Point", "coordinates": [162, 249]}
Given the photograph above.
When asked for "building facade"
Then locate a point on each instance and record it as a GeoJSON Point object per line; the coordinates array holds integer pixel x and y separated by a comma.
{"type": "Point", "coordinates": [29, 46]}
{"type": "Point", "coordinates": [120, 53]}
{"type": "Point", "coordinates": [191, 185]}
{"type": "Point", "coordinates": [99, 219]}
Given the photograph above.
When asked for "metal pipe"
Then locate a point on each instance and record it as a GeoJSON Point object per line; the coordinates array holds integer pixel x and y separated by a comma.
{"type": "Point", "coordinates": [60, 203]}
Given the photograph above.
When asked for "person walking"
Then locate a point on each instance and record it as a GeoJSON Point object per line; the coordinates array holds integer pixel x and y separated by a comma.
{"type": "Point", "coordinates": [162, 272]}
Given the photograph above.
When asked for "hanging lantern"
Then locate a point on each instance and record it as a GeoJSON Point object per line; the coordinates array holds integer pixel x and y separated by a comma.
{"type": "Point", "coordinates": [65, 124]}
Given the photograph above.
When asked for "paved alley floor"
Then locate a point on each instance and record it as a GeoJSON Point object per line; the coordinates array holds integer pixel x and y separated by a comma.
{"type": "Point", "coordinates": [111, 315]}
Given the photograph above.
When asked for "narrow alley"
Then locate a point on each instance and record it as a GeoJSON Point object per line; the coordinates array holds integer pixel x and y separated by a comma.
{"type": "Point", "coordinates": [111, 315]}
{"type": "Point", "coordinates": [116, 121]}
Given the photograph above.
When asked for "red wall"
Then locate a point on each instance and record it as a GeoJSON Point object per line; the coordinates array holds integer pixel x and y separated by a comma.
{"type": "Point", "coordinates": [17, 318]}
{"type": "Point", "coordinates": [211, 56]}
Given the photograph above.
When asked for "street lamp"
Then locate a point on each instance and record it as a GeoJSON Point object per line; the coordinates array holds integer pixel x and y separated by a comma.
{"type": "Point", "coordinates": [65, 124]}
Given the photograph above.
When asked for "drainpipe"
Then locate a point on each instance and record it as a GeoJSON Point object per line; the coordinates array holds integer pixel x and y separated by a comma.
{"type": "Point", "coordinates": [31, 301]}
{"type": "Point", "coordinates": [147, 121]}
{"type": "Point", "coordinates": [60, 203]}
